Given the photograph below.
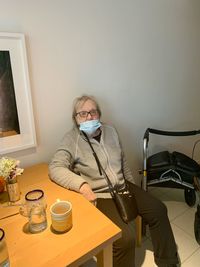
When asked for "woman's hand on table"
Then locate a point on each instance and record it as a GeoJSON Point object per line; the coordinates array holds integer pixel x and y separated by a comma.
{"type": "Point", "coordinates": [87, 192]}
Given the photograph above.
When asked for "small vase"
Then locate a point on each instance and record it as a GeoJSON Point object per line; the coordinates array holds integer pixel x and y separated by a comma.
{"type": "Point", "coordinates": [13, 190]}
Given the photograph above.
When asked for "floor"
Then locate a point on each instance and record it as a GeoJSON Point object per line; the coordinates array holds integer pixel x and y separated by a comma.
{"type": "Point", "coordinates": [182, 220]}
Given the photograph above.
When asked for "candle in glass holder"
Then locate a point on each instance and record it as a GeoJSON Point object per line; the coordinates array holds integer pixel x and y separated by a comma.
{"type": "Point", "coordinates": [4, 258]}
{"type": "Point", "coordinates": [61, 216]}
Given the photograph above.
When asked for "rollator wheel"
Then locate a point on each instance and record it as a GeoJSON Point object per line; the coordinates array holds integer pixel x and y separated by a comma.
{"type": "Point", "coordinates": [190, 196]}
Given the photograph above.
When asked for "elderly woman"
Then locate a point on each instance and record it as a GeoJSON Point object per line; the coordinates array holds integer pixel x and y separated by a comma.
{"type": "Point", "coordinates": [74, 167]}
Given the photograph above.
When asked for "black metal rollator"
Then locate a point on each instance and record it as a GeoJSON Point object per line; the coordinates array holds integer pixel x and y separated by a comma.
{"type": "Point", "coordinates": [173, 170]}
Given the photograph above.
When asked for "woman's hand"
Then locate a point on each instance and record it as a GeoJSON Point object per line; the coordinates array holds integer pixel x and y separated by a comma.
{"type": "Point", "coordinates": [87, 192]}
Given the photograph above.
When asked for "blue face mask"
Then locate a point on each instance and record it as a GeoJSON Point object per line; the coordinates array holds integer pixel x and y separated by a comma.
{"type": "Point", "coordinates": [89, 127]}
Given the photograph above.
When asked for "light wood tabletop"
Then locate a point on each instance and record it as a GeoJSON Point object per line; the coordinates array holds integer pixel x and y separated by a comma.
{"type": "Point", "coordinates": [92, 232]}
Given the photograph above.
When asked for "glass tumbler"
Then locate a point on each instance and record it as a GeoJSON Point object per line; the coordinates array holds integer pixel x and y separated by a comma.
{"type": "Point", "coordinates": [35, 209]}
{"type": "Point", "coordinates": [4, 258]}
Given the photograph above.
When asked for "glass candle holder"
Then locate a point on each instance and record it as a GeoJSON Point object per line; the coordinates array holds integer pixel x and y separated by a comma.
{"type": "Point", "coordinates": [61, 216]}
{"type": "Point", "coordinates": [4, 258]}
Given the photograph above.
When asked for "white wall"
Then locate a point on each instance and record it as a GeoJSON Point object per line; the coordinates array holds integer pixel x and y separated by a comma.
{"type": "Point", "coordinates": [141, 59]}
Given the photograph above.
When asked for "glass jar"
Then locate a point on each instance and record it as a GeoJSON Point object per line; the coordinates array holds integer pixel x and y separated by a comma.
{"type": "Point", "coordinates": [4, 258]}
{"type": "Point", "coordinates": [35, 209]}
{"type": "Point", "coordinates": [13, 190]}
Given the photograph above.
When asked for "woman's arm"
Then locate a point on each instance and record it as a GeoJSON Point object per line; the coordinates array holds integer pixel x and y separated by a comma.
{"type": "Point", "coordinates": [60, 171]}
{"type": "Point", "coordinates": [126, 170]}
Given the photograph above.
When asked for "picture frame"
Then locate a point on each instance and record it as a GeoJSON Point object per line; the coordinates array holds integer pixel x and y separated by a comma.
{"type": "Point", "coordinates": [13, 50]}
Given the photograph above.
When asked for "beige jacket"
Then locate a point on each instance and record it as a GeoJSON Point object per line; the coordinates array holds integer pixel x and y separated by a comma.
{"type": "Point", "coordinates": [74, 164]}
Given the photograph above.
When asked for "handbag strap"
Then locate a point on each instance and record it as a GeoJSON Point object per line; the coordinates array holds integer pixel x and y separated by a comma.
{"type": "Point", "coordinates": [100, 168]}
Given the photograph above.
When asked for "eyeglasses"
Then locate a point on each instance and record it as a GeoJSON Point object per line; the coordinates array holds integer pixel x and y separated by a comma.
{"type": "Point", "coordinates": [84, 114]}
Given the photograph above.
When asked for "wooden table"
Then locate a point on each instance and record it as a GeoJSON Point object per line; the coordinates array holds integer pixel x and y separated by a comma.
{"type": "Point", "coordinates": [92, 232]}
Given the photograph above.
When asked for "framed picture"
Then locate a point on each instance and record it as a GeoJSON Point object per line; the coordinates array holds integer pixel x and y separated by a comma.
{"type": "Point", "coordinates": [17, 129]}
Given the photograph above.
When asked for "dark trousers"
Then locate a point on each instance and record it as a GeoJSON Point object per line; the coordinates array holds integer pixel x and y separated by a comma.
{"type": "Point", "coordinates": [154, 213]}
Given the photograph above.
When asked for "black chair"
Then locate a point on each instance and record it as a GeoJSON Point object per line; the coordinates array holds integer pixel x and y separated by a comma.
{"type": "Point", "coordinates": [173, 170]}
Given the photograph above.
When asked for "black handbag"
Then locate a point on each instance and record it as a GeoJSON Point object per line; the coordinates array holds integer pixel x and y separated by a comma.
{"type": "Point", "coordinates": [126, 204]}
{"type": "Point", "coordinates": [125, 201]}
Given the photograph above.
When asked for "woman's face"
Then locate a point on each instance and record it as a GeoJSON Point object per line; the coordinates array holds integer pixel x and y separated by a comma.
{"type": "Point", "coordinates": [86, 111]}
